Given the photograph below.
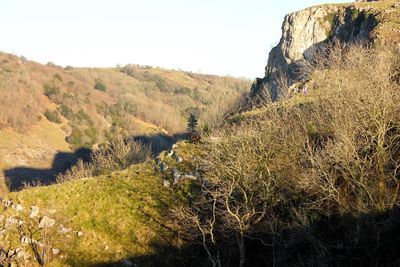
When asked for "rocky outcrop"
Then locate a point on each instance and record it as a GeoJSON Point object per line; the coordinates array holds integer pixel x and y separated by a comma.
{"type": "Point", "coordinates": [303, 33]}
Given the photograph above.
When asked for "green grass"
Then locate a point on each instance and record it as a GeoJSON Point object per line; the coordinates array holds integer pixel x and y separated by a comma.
{"type": "Point", "coordinates": [118, 213]}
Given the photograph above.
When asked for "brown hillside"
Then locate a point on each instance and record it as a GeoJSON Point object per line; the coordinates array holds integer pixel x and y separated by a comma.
{"type": "Point", "coordinates": [47, 109]}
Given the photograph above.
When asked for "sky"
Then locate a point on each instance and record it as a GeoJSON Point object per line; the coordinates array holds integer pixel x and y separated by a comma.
{"type": "Point", "coordinates": [223, 37]}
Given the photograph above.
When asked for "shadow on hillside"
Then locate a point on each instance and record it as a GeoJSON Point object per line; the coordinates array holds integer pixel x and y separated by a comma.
{"type": "Point", "coordinates": [166, 256]}
{"type": "Point", "coordinates": [159, 142]}
{"type": "Point", "coordinates": [17, 177]}
{"type": "Point", "coordinates": [369, 240]}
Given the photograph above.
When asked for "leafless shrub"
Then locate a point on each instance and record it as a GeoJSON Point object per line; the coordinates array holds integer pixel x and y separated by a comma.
{"type": "Point", "coordinates": [80, 171]}
{"type": "Point", "coordinates": [119, 155]}
{"type": "Point", "coordinates": [336, 153]}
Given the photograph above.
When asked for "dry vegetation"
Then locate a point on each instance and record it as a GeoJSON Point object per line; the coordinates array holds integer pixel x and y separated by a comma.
{"type": "Point", "coordinates": [312, 180]}
{"type": "Point", "coordinates": [46, 109]}
{"type": "Point", "coordinates": [100, 104]}
{"type": "Point", "coordinates": [117, 155]}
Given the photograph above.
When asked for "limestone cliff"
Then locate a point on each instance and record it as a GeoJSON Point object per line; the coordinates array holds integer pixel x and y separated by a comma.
{"type": "Point", "coordinates": [305, 31]}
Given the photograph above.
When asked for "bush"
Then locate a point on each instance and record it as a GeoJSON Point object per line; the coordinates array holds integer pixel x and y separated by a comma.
{"type": "Point", "coordinates": [52, 116]}
{"type": "Point", "coordinates": [320, 169]}
{"type": "Point", "coordinates": [80, 171]}
{"type": "Point", "coordinates": [100, 86]}
{"type": "Point", "coordinates": [58, 77]}
{"type": "Point", "coordinates": [75, 138]}
{"type": "Point", "coordinates": [66, 112]}
{"type": "Point", "coordinates": [119, 154]}
{"type": "Point", "coordinates": [51, 90]}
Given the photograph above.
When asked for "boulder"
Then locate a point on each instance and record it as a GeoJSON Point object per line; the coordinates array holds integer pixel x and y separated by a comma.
{"type": "Point", "coordinates": [34, 212]}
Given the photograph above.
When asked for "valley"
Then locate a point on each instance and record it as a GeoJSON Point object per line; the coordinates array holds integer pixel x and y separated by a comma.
{"type": "Point", "coordinates": [143, 166]}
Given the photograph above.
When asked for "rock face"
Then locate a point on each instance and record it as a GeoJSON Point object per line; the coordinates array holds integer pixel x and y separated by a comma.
{"type": "Point", "coordinates": [303, 33]}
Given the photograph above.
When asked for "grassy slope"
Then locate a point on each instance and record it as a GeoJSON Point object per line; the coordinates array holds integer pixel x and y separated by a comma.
{"type": "Point", "coordinates": [109, 210]}
{"type": "Point", "coordinates": [119, 214]}
{"type": "Point", "coordinates": [34, 148]}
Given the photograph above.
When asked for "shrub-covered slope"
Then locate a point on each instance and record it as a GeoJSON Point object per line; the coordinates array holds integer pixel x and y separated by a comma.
{"type": "Point", "coordinates": [47, 111]}
{"type": "Point", "coordinates": [310, 180]}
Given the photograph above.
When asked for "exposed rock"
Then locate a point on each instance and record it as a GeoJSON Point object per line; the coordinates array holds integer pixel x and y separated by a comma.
{"type": "Point", "coordinates": [34, 212]}
{"type": "Point", "coordinates": [46, 222]}
{"type": "Point", "coordinates": [55, 251]}
{"type": "Point", "coordinates": [190, 177]}
{"type": "Point", "coordinates": [11, 221]}
{"type": "Point", "coordinates": [7, 202]}
{"type": "Point", "coordinates": [166, 183]}
{"type": "Point", "coordinates": [18, 207]}
{"type": "Point", "coordinates": [163, 167]}
{"type": "Point", "coordinates": [303, 33]}
{"type": "Point", "coordinates": [176, 175]}
{"type": "Point", "coordinates": [64, 230]}
{"type": "Point", "coordinates": [177, 158]}
{"type": "Point", "coordinates": [79, 233]}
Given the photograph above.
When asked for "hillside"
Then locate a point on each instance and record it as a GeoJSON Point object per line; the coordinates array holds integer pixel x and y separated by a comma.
{"type": "Point", "coordinates": [115, 218]}
{"type": "Point", "coordinates": [309, 179]}
{"type": "Point", "coordinates": [47, 112]}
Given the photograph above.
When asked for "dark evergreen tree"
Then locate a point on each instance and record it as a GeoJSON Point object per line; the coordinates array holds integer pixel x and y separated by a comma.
{"type": "Point", "coordinates": [192, 124]}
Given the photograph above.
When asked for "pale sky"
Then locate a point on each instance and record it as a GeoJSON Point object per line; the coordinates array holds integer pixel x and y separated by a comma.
{"type": "Point", "coordinates": [224, 37]}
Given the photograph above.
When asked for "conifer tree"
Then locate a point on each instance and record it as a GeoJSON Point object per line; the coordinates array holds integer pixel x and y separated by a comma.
{"type": "Point", "coordinates": [192, 124]}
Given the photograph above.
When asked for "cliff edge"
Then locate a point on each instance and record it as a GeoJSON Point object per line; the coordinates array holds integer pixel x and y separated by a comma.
{"type": "Point", "coordinates": [305, 31]}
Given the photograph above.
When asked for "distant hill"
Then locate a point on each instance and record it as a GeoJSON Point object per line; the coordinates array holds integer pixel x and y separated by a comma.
{"type": "Point", "coordinates": [46, 109]}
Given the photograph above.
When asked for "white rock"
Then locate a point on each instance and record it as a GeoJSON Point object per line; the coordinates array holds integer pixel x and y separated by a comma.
{"type": "Point", "coordinates": [10, 221]}
{"type": "Point", "coordinates": [177, 158]}
{"type": "Point", "coordinates": [64, 230]}
{"type": "Point", "coordinates": [303, 33]}
{"type": "Point", "coordinates": [176, 175]}
{"type": "Point", "coordinates": [79, 233]}
{"type": "Point", "coordinates": [18, 207]}
{"type": "Point", "coordinates": [34, 212]}
{"type": "Point", "coordinates": [7, 202]}
{"type": "Point", "coordinates": [190, 177]}
{"type": "Point", "coordinates": [46, 222]}
{"type": "Point", "coordinates": [166, 183]}
{"type": "Point", "coordinates": [55, 251]}
{"type": "Point", "coordinates": [163, 167]}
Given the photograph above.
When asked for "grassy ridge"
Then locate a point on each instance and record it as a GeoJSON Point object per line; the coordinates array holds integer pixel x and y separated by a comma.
{"type": "Point", "coordinates": [118, 214]}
